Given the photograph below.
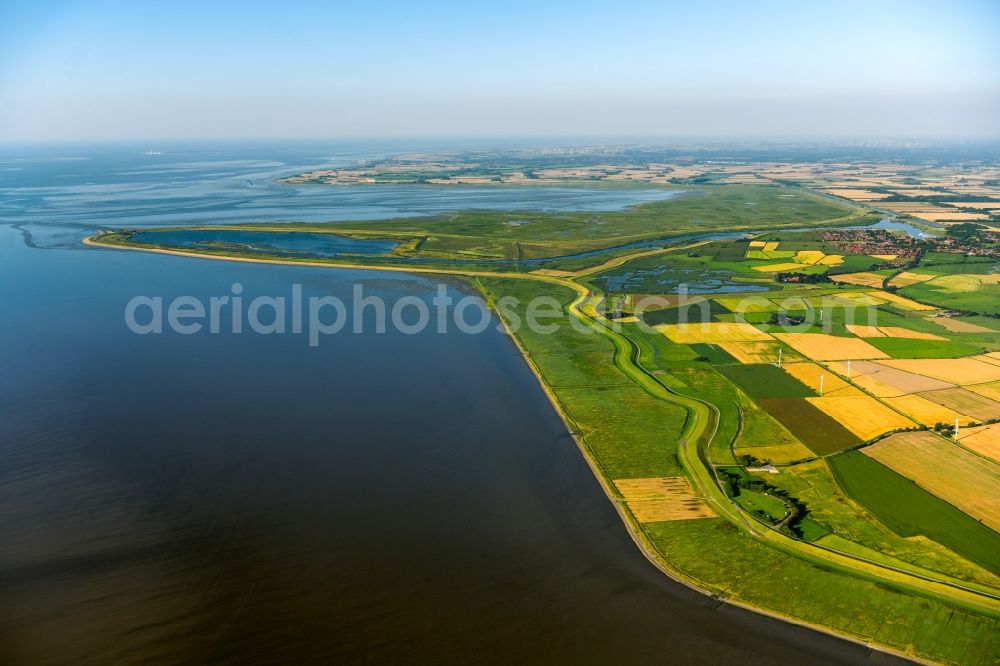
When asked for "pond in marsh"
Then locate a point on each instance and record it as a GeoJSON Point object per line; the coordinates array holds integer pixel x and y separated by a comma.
{"type": "Point", "coordinates": [285, 243]}
{"type": "Point", "coordinates": [672, 279]}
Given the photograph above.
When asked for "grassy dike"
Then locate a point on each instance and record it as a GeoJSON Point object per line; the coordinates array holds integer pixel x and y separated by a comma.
{"type": "Point", "coordinates": [631, 425]}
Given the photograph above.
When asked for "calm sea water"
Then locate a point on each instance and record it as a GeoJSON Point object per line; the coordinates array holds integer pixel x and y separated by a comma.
{"type": "Point", "coordinates": [250, 499]}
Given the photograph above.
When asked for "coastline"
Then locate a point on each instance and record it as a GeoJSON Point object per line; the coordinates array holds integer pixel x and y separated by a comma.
{"type": "Point", "coordinates": [632, 527]}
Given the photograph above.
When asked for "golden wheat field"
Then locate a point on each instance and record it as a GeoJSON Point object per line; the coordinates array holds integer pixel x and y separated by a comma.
{"type": "Point", "coordinates": [906, 278]}
{"type": "Point", "coordinates": [711, 332]}
{"type": "Point", "coordinates": [944, 469]}
{"type": "Point", "coordinates": [926, 412]}
{"type": "Point", "coordinates": [961, 400]}
{"type": "Point", "coordinates": [662, 498]}
{"type": "Point", "coordinates": [863, 415]}
{"type": "Point", "coordinates": [779, 268]}
{"type": "Point", "coordinates": [861, 279]}
{"type": "Point", "coordinates": [823, 347]}
{"type": "Point", "coordinates": [945, 215]}
{"type": "Point", "coordinates": [865, 331]}
{"type": "Point", "coordinates": [989, 390]}
{"type": "Point", "coordinates": [900, 301]}
{"type": "Point", "coordinates": [960, 326]}
{"type": "Point", "coordinates": [809, 256]}
{"type": "Point", "coordinates": [984, 440]}
{"type": "Point", "coordinates": [983, 205]}
{"type": "Point", "coordinates": [752, 352]}
{"type": "Point", "coordinates": [810, 373]}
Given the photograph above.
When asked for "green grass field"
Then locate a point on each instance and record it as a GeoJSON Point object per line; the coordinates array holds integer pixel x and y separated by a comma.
{"type": "Point", "coordinates": [815, 429]}
{"type": "Point", "coordinates": [829, 506]}
{"type": "Point", "coordinates": [909, 510]}
{"type": "Point", "coordinates": [736, 566]}
{"type": "Point", "coordinates": [766, 381]}
{"type": "Point", "coordinates": [906, 348]}
{"type": "Point", "coordinates": [703, 311]}
{"type": "Point", "coordinates": [713, 353]}
{"type": "Point", "coordinates": [984, 300]}
{"type": "Point", "coordinates": [760, 504]}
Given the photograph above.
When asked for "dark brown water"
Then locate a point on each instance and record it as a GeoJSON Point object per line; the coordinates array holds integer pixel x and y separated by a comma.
{"type": "Point", "coordinates": [249, 499]}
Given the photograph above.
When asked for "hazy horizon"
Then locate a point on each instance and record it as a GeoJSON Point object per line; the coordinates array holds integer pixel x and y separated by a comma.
{"type": "Point", "coordinates": [74, 71]}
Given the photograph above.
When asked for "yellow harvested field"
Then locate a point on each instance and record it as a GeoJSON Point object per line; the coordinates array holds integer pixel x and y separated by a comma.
{"type": "Point", "coordinates": [959, 371]}
{"type": "Point", "coordinates": [945, 215]}
{"type": "Point", "coordinates": [712, 332]}
{"type": "Point", "coordinates": [960, 325]}
{"type": "Point", "coordinates": [965, 282]}
{"type": "Point", "coordinates": [809, 374]}
{"type": "Point", "coordinates": [752, 352]}
{"type": "Point", "coordinates": [779, 268]}
{"type": "Point", "coordinates": [771, 246]}
{"type": "Point", "coordinates": [863, 279]}
{"type": "Point", "coordinates": [809, 256]}
{"type": "Point", "coordinates": [901, 301]}
{"type": "Point", "coordinates": [966, 402]}
{"type": "Point", "coordinates": [858, 195]}
{"type": "Point", "coordinates": [663, 498]}
{"type": "Point", "coordinates": [823, 347]}
{"type": "Point", "coordinates": [989, 390]}
{"type": "Point", "coordinates": [983, 205]}
{"type": "Point", "coordinates": [957, 476]}
{"type": "Point", "coordinates": [906, 278]}
{"type": "Point", "coordinates": [832, 260]}
{"type": "Point", "coordinates": [984, 440]}
{"type": "Point", "coordinates": [900, 332]}
{"type": "Point", "coordinates": [865, 331]}
{"type": "Point", "coordinates": [887, 382]}
{"type": "Point", "coordinates": [855, 298]}
{"type": "Point", "coordinates": [863, 415]}
{"type": "Point", "coordinates": [757, 243]}
{"type": "Point", "coordinates": [926, 411]}
{"type": "Point", "coordinates": [885, 257]}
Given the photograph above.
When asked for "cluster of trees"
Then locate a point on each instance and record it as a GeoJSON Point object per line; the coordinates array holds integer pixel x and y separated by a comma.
{"type": "Point", "coordinates": [733, 484]}
{"type": "Point", "coordinates": [802, 278]}
{"type": "Point", "coordinates": [969, 232]}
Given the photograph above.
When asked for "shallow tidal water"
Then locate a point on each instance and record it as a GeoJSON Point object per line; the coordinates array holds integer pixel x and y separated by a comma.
{"type": "Point", "coordinates": [251, 499]}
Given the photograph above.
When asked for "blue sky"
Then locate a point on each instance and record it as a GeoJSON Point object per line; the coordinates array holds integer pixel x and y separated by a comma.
{"type": "Point", "coordinates": [94, 70]}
